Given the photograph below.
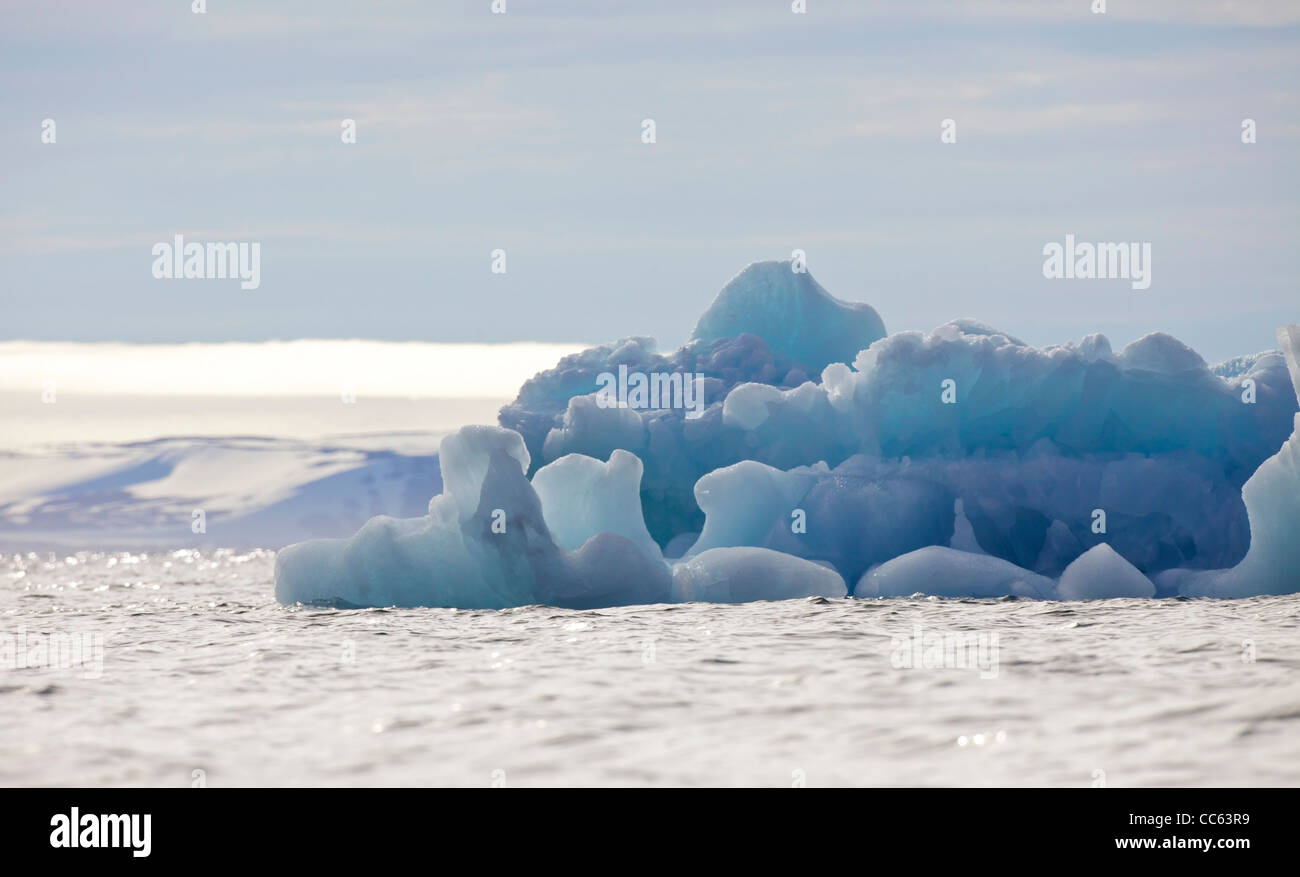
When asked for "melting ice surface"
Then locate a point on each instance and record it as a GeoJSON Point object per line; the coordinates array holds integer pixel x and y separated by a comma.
{"type": "Point", "coordinates": [834, 459]}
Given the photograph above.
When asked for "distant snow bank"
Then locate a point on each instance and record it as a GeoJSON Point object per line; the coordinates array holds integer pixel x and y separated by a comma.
{"type": "Point", "coordinates": [207, 492]}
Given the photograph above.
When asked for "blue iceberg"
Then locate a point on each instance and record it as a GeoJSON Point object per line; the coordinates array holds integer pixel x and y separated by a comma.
{"type": "Point", "coordinates": [830, 458]}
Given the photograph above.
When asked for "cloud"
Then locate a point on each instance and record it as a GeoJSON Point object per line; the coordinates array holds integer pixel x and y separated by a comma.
{"type": "Point", "coordinates": [278, 368]}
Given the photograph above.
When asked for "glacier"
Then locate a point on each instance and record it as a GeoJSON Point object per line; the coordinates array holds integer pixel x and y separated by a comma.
{"type": "Point", "coordinates": [834, 459]}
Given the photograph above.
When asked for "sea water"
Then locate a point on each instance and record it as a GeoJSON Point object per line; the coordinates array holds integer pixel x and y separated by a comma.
{"type": "Point", "coordinates": [206, 680]}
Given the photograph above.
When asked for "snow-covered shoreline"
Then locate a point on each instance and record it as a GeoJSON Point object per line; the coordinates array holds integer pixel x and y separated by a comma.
{"type": "Point", "coordinates": [253, 492]}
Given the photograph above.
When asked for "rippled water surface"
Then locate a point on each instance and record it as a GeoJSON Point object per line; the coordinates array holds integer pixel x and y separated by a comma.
{"type": "Point", "coordinates": [203, 671]}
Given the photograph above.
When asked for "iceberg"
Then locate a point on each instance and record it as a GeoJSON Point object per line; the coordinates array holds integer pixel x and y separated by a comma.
{"type": "Point", "coordinates": [1101, 574]}
{"type": "Point", "coordinates": [485, 544]}
{"type": "Point", "coordinates": [783, 305]}
{"type": "Point", "coordinates": [937, 571]}
{"type": "Point", "coordinates": [1272, 498]}
{"type": "Point", "coordinates": [960, 463]}
{"type": "Point", "coordinates": [741, 575]}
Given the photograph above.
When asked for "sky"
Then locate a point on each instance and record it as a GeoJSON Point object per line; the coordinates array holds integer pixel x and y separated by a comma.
{"type": "Point", "coordinates": [522, 132]}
